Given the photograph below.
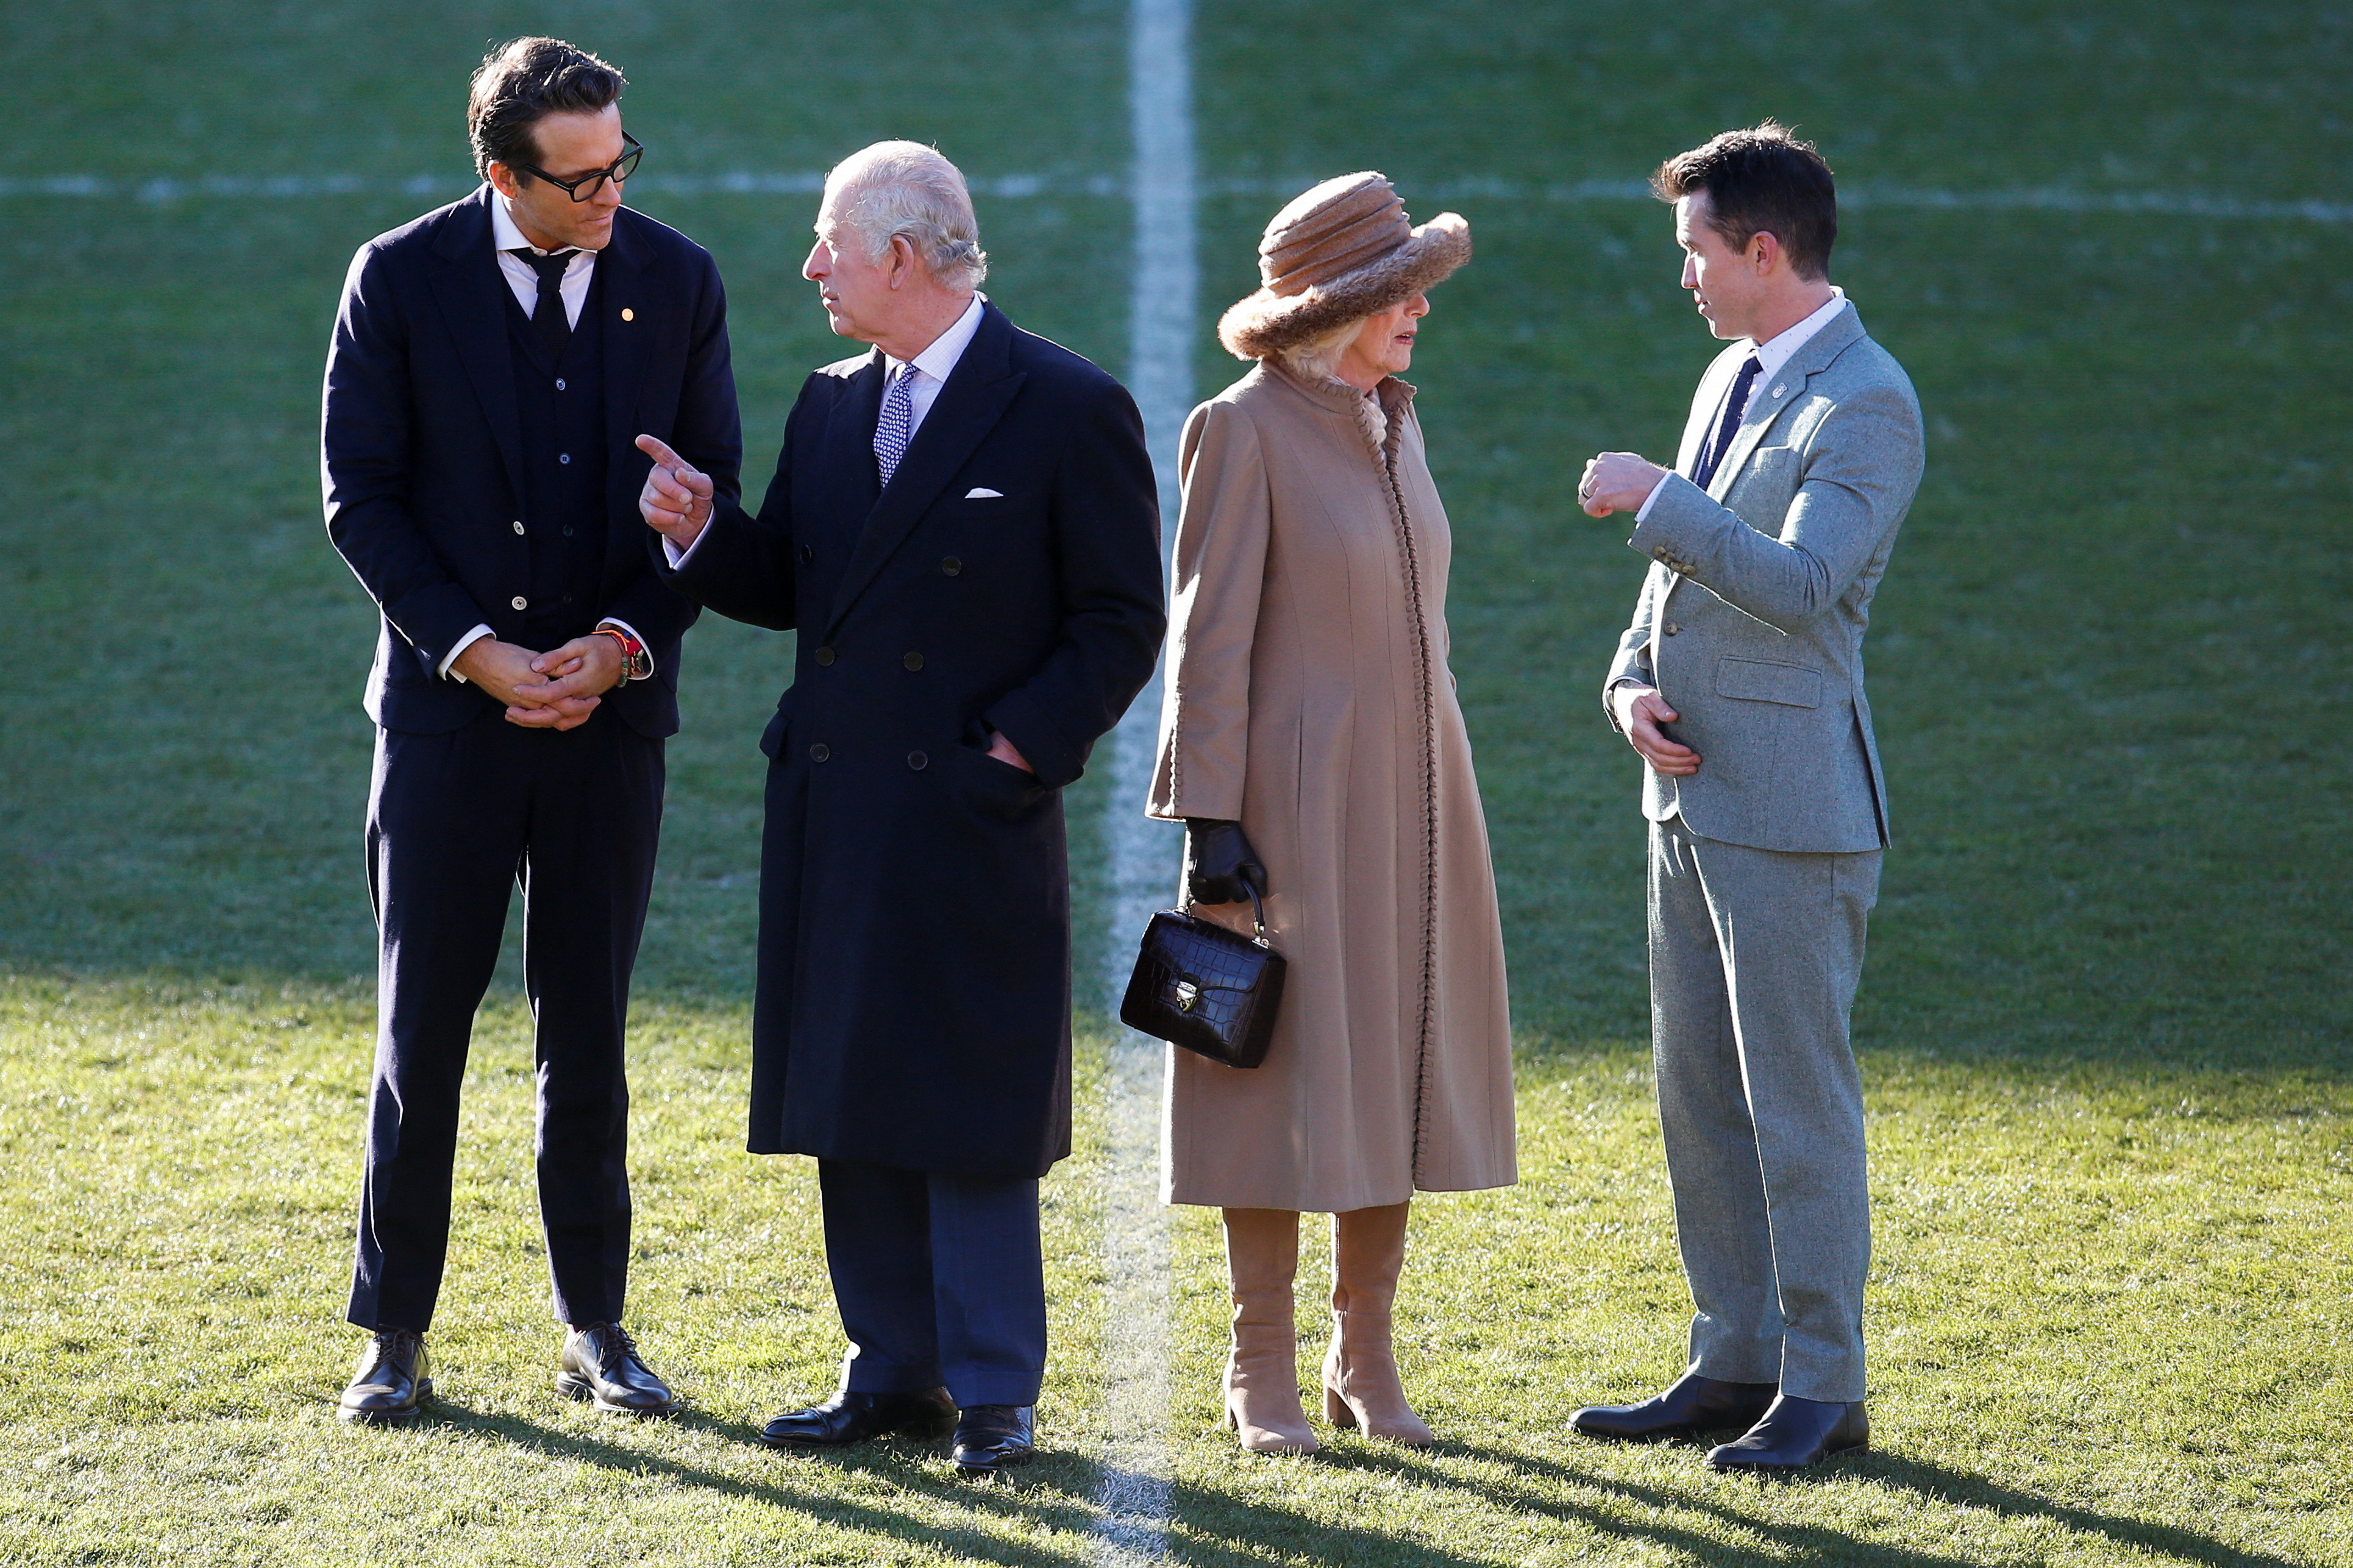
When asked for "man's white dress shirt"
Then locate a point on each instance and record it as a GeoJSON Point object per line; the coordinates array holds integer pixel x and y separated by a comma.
{"type": "Point", "coordinates": [577, 275]}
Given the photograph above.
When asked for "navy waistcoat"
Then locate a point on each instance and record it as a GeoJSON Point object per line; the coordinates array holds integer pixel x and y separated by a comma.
{"type": "Point", "coordinates": [561, 406]}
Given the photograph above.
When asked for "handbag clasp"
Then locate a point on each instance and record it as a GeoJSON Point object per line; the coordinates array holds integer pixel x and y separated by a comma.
{"type": "Point", "coordinates": [1186, 995]}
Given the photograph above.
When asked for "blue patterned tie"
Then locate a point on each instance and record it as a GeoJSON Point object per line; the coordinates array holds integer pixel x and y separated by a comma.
{"type": "Point", "coordinates": [1712, 454]}
{"type": "Point", "coordinates": [890, 429]}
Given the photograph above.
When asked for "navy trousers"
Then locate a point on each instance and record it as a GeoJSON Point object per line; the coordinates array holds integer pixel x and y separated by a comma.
{"type": "Point", "coordinates": [456, 822]}
{"type": "Point", "coordinates": [940, 1280]}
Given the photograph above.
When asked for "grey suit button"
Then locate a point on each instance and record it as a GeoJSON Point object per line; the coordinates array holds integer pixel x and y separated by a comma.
{"type": "Point", "coordinates": [1671, 628]}
{"type": "Point", "coordinates": [917, 761]}
{"type": "Point", "coordinates": [807, 554]}
{"type": "Point", "coordinates": [819, 752]}
{"type": "Point", "coordinates": [914, 661]}
{"type": "Point", "coordinates": [824, 656]}
{"type": "Point", "coordinates": [518, 527]}
{"type": "Point", "coordinates": [520, 603]}
{"type": "Point", "coordinates": [950, 565]}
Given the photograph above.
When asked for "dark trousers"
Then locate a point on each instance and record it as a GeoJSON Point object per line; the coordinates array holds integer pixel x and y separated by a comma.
{"type": "Point", "coordinates": [455, 822]}
{"type": "Point", "coordinates": [939, 1281]}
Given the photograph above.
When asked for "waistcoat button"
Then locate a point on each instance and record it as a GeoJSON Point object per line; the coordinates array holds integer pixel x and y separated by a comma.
{"type": "Point", "coordinates": [824, 655]}
{"type": "Point", "coordinates": [914, 661]}
{"type": "Point", "coordinates": [950, 565]}
{"type": "Point", "coordinates": [807, 554]}
{"type": "Point", "coordinates": [819, 752]}
{"type": "Point", "coordinates": [518, 527]}
{"type": "Point", "coordinates": [917, 761]}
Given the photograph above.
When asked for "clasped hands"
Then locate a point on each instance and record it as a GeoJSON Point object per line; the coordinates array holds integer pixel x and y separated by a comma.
{"type": "Point", "coordinates": [553, 690]}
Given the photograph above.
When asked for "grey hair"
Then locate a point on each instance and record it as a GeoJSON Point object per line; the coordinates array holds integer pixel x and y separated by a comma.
{"type": "Point", "coordinates": [1318, 359]}
{"type": "Point", "coordinates": [904, 188]}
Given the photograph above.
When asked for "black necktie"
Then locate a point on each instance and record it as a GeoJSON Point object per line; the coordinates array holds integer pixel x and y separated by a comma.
{"type": "Point", "coordinates": [1712, 454]}
{"type": "Point", "coordinates": [547, 312]}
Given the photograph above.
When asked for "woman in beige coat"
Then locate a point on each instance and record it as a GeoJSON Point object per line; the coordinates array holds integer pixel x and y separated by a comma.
{"type": "Point", "coordinates": [1312, 745]}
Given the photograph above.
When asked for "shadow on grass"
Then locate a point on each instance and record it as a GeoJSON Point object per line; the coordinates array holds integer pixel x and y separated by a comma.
{"type": "Point", "coordinates": [1927, 1483]}
{"type": "Point", "coordinates": [1054, 1491]}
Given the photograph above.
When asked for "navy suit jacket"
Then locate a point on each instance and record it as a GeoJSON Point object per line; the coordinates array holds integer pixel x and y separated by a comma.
{"type": "Point", "coordinates": [421, 448]}
{"type": "Point", "coordinates": [914, 989]}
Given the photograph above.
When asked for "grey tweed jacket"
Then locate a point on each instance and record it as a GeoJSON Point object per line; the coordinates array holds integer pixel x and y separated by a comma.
{"type": "Point", "coordinates": [1750, 622]}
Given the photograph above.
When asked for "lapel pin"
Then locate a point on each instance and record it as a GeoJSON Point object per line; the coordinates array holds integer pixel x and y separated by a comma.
{"type": "Point", "coordinates": [630, 315]}
{"type": "Point", "coordinates": [1776, 391]}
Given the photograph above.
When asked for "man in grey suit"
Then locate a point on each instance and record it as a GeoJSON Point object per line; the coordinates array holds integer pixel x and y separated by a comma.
{"type": "Point", "coordinates": [1740, 682]}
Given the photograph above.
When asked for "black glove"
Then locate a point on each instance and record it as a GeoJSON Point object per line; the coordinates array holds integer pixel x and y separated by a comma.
{"type": "Point", "coordinates": [1220, 866]}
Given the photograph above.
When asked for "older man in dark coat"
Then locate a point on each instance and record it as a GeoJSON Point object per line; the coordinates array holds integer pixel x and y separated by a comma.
{"type": "Point", "coordinates": [963, 529]}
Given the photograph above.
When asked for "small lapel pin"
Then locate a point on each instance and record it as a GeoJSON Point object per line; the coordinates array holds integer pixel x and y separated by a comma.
{"type": "Point", "coordinates": [1776, 391]}
{"type": "Point", "coordinates": [630, 315]}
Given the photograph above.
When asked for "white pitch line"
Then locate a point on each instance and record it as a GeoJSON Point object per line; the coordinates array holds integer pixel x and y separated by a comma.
{"type": "Point", "coordinates": [755, 183]}
{"type": "Point", "coordinates": [1133, 1495]}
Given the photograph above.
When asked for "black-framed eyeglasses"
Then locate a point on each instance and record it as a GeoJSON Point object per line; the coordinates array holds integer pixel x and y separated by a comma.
{"type": "Point", "coordinates": [585, 187]}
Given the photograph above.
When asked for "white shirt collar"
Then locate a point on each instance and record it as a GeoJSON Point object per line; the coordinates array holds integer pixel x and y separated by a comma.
{"type": "Point", "coordinates": [1775, 351]}
{"type": "Point", "coordinates": [940, 357]}
{"type": "Point", "coordinates": [505, 235]}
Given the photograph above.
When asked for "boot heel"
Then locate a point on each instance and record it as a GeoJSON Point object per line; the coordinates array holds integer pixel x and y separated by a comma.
{"type": "Point", "coordinates": [1337, 1410]}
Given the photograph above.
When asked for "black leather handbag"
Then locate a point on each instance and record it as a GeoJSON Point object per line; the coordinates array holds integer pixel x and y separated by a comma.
{"type": "Point", "coordinates": [1205, 987]}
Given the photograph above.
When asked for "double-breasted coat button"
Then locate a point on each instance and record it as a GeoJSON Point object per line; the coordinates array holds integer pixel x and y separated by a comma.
{"type": "Point", "coordinates": [819, 752]}
{"type": "Point", "coordinates": [917, 761]}
{"type": "Point", "coordinates": [520, 603]}
{"type": "Point", "coordinates": [914, 661]}
{"type": "Point", "coordinates": [518, 527]}
{"type": "Point", "coordinates": [950, 565]}
{"type": "Point", "coordinates": [809, 553]}
{"type": "Point", "coordinates": [824, 655]}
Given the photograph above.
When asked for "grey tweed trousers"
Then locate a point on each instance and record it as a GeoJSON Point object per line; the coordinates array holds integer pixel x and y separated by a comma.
{"type": "Point", "coordinates": [1755, 958]}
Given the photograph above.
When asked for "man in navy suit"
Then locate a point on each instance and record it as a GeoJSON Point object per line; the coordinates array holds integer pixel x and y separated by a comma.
{"type": "Point", "coordinates": [963, 530]}
{"type": "Point", "coordinates": [492, 362]}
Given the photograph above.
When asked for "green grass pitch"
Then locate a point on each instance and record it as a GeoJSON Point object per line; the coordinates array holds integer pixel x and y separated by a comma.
{"type": "Point", "coordinates": [2103, 1031]}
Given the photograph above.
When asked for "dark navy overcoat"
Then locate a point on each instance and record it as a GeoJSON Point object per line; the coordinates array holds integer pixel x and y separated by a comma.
{"type": "Point", "coordinates": [915, 968]}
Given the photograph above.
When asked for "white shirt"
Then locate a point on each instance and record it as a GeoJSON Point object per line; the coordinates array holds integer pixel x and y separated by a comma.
{"type": "Point", "coordinates": [930, 370]}
{"type": "Point", "coordinates": [1771, 355]}
{"type": "Point", "coordinates": [578, 273]}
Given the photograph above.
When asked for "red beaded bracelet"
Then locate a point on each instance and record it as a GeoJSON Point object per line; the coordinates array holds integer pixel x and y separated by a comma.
{"type": "Point", "coordinates": [636, 664]}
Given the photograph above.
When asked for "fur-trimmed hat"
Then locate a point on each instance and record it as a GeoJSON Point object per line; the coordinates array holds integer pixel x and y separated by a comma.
{"type": "Point", "coordinates": [1337, 253]}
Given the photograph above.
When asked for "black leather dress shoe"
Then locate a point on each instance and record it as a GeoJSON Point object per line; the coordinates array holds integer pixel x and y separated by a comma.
{"type": "Point", "coordinates": [993, 1437]}
{"type": "Point", "coordinates": [1796, 1433]}
{"type": "Point", "coordinates": [1693, 1407]}
{"type": "Point", "coordinates": [393, 1380]}
{"type": "Point", "coordinates": [851, 1418]}
{"type": "Point", "coordinates": [601, 1363]}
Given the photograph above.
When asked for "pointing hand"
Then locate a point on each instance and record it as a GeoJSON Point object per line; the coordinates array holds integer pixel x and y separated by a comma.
{"type": "Point", "coordinates": [676, 501]}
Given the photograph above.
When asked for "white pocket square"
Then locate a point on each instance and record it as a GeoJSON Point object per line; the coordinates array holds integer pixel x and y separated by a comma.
{"type": "Point", "coordinates": [982, 492]}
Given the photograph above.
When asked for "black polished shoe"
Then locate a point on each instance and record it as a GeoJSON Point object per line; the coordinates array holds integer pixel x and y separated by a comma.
{"type": "Point", "coordinates": [993, 1437]}
{"type": "Point", "coordinates": [1794, 1433]}
{"type": "Point", "coordinates": [393, 1380]}
{"type": "Point", "coordinates": [601, 1363]}
{"type": "Point", "coordinates": [851, 1418]}
{"type": "Point", "coordinates": [1693, 1407]}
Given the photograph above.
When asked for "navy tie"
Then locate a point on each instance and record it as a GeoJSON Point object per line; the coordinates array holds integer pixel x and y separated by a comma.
{"type": "Point", "coordinates": [1711, 455]}
{"type": "Point", "coordinates": [892, 428]}
{"type": "Point", "coordinates": [547, 312]}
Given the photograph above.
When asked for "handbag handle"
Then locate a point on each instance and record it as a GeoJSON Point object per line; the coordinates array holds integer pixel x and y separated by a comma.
{"type": "Point", "coordinates": [1257, 913]}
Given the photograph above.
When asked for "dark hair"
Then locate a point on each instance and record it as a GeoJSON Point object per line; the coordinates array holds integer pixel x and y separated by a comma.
{"type": "Point", "coordinates": [1762, 180]}
{"type": "Point", "coordinates": [522, 83]}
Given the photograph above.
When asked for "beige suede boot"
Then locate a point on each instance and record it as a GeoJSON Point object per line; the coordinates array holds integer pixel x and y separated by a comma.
{"type": "Point", "coordinates": [1262, 1367]}
{"type": "Point", "coordinates": [1360, 1374]}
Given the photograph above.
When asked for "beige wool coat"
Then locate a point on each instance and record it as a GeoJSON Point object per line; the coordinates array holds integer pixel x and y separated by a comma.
{"type": "Point", "coordinates": [1308, 697]}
